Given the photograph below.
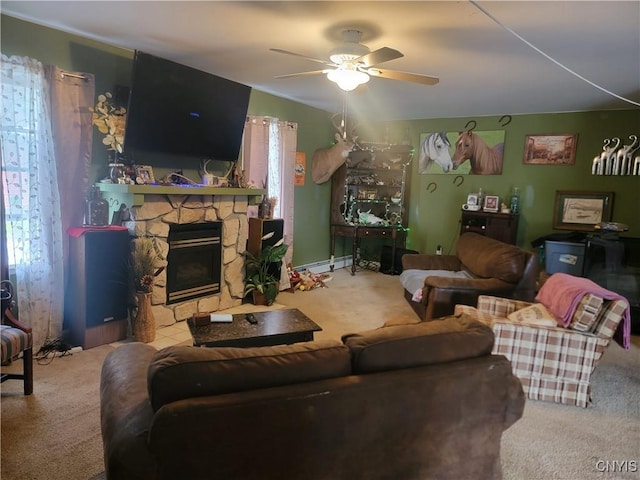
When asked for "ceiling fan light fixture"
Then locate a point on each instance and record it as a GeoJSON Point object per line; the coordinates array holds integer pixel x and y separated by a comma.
{"type": "Point", "coordinates": [348, 78]}
{"type": "Point", "coordinates": [350, 49]}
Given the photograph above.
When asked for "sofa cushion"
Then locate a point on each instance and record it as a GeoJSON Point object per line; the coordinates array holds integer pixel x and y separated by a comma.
{"type": "Point", "coordinates": [489, 258]}
{"type": "Point", "coordinates": [181, 372]}
{"type": "Point", "coordinates": [534, 314]}
{"type": "Point", "coordinates": [403, 346]}
{"type": "Point", "coordinates": [584, 318]}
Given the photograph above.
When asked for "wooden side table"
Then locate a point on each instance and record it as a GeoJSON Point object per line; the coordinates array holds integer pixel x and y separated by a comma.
{"type": "Point", "coordinates": [358, 232]}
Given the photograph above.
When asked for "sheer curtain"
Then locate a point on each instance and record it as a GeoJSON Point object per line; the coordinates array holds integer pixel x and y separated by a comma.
{"type": "Point", "coordinates": [269, 153]}
{"type": "Point", "coordinates": [72, 94]}
{"type": "Point", "coordinates": [30, 196]}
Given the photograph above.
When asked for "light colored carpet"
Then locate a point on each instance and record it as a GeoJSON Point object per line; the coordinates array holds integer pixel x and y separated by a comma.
{"type": "Point", "coordinates": [55, 433]}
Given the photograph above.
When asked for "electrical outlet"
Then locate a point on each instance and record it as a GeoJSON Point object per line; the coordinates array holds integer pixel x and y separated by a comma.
{"type": "Point", "coordinates": [439, 250]}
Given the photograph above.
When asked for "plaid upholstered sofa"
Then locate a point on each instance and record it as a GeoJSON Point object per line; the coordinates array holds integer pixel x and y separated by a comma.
{"type": "Point", "coordinates": [554, 362]}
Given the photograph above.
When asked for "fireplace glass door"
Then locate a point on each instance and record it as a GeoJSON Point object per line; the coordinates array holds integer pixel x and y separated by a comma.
{"type": "Point", "coordinates": [194, 261]}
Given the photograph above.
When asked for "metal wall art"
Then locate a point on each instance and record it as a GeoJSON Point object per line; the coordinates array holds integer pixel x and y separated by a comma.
{"type": "Point", "coordinates": [616, 159]}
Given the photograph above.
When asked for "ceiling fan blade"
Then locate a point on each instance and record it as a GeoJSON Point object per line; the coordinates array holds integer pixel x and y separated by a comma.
{"type": "Point", "coordinates": [405, 76]}
{"type": "Point", "coordinates": [381, 55]}
{"type": "Point", "coordinates": [303, 74]}
{"type": "Point", "coordinates": [317, 60]}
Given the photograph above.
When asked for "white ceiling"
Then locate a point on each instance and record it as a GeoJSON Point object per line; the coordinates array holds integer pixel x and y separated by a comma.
{"type": "Point", "coordinates": [484, 69]}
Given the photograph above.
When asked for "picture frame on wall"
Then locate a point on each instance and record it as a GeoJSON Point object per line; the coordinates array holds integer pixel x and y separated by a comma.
{"type": "Point", "coordinates": [144, 175]}
{"type": "Point", "coordinates": [461, 153]}
{"type": "Point", "coordinates": [581, 210]}
{"type": "Point", "coordinates": [555, 149]}
{"type": "Point", "coordinates": [491, 203]}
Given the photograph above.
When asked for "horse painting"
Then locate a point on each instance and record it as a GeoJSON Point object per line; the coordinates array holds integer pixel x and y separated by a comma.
{"type": "Point", "coordinates": [434, 148]}
{"type": "Point", "coordinates": [484, 160]}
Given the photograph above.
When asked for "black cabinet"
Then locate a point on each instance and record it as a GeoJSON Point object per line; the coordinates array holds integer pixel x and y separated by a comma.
{"type": "Point", "coordinates": [368, 198]}
{"type": "Point", "coordinates": [369, 189]}
{"type": "Point", "coordinates": [96, 310]}
{"type": "Point", "coordinates": [259, 228]}
{"type": "Point", "coordinates": [501, 226]}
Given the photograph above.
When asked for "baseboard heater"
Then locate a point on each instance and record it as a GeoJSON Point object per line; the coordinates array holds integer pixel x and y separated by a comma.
{"type": "Point", "coordinates": [324, 265]}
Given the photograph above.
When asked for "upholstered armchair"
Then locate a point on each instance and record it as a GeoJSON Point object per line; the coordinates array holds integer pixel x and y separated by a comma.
{"type": "Point", "coordinates": [15, 339]}
{"type": "Point", "coordinates": [555, 350]}
{"type": "Point", "coordinates": [434, 284]}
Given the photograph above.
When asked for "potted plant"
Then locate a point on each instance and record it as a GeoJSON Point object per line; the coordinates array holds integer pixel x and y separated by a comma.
{"type": "Point", "coordinates": [145, 267]}
{"type": "Point", "coordinates": [261, 270]}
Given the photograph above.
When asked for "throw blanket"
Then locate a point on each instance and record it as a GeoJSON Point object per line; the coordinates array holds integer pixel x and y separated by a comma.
{"type": "Point", "coordinates": [413, 279]}
{"type": "Point", "coordinates": [561, 294]}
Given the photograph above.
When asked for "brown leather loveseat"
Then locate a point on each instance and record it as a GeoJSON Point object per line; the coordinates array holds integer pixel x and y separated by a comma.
{"type": "Point", "coordinates": [434, 284]}
{"type": "Point", "coordinates": [419, 401]}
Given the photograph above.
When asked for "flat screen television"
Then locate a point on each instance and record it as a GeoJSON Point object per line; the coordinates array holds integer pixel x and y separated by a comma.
{"type": "Point", "coordinates": [179, 110]}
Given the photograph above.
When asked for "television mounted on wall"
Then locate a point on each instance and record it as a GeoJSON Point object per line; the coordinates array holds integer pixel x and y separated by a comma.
{"type": "Point", "coordinates": [179, 110]}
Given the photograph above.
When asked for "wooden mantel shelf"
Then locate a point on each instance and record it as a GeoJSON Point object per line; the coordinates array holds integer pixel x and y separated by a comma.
{"type": "Point", "coordinates": [135, 193]}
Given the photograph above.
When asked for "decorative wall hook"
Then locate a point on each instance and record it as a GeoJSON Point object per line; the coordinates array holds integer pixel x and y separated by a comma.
{"type": "Point", "coordinates": [458, 180]}
{"type": "Point", "coordinates": [505, 117]}
{"type": "Point", "coordinates": [471, 124]}
{"type": "Point", "coordinates": [432, 187]}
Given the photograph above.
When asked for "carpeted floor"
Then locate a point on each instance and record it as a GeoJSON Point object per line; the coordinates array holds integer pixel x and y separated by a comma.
{"type": "Point", "coordinates": [55, 433]}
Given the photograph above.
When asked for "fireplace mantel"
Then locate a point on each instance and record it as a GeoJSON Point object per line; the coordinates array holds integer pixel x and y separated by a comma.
{"type": "Point", "coordinates": [133, 195]}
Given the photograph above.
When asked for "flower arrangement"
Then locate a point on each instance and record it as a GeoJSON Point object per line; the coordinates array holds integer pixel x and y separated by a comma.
{"type": "Point", "coordinates": [110, 121]}
{"type": "Point", "coordinates": [145, 264]}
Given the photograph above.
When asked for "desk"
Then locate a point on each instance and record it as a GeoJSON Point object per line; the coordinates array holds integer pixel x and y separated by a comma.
{"type": "Point", "coordinates": [358, 232]}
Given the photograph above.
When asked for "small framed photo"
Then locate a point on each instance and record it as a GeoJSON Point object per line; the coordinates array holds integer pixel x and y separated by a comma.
{"type": "Point", "coordinates": [472, 199]}
{"type": "Point", "coordinates": [144, 175]}
{"type": "Point", "coordinates": [550, 149]}
{"type": "Point", "coordinates": [491, 203]}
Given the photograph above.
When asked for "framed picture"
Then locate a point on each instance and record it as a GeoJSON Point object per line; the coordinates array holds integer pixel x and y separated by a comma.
{"type": "Point", "coordinates": [550, 149]}
{"type": "Point", "coordinates": [144, 175]}
{"type": "Point", "coordinates": [491, 203]}
{"type": "Point", "coordinates": [461, 153]}
{"type": "Point", "coordinates": [581, 210]}
{"type": "Point", "coordinates": [472, 199]}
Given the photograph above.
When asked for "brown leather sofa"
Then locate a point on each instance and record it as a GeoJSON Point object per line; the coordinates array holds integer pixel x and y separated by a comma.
{"type": "Point", "coordinates": [491, 267]}
{"type": "Point", "coordinates": [419, 401]}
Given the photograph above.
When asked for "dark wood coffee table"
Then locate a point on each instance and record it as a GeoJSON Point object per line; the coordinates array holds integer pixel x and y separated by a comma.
{"type": "Point", "coordinates": [275, 327]}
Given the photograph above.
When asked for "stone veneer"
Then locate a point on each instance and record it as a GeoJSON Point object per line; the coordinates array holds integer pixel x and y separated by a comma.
{"type": "Point", "coordinates": [154, 217]}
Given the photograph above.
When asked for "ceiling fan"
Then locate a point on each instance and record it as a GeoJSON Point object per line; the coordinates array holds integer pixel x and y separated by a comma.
{"type": "Point", "coordinates": [352, 64]}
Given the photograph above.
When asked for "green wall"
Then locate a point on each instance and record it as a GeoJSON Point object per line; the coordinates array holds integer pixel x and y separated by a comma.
{"type": "Point", "coordinates": [433, 216]}
{"type": "Point", "coordinates": [112, 66]}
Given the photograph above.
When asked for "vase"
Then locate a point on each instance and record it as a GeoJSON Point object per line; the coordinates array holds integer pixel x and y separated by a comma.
{"type": "Point", "coordinates": [259, 298]}
{"type": "Point", "coordinates": [264, 209]}
{"type": "Point", "coordinates": [96, 209]}
{"type": "Point", "coordinates": [144, 325]}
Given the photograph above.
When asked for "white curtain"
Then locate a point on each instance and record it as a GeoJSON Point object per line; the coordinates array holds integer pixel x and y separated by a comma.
{"type": "Point", "coordinates": [268, 158]}
{"type": "Point", "coordinates": [31, 198]}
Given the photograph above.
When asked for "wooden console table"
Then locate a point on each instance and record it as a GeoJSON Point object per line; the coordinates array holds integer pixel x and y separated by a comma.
{"type": "Point", "coordinates": [358, 232]}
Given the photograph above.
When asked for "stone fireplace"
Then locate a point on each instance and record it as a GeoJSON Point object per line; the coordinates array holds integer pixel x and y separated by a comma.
{"type": "Point", "coordinates": [156, 213]}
